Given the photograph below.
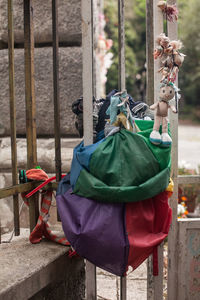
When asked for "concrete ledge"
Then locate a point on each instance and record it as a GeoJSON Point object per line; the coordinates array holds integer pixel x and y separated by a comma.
{"type": "Point", "coordinates": [26, 269]}
{"type": "Point", "coordinates": [45, 154]}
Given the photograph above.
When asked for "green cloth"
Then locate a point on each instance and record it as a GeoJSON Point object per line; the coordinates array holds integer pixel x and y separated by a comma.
{"type": "Point", "coordinates": [126, 167]}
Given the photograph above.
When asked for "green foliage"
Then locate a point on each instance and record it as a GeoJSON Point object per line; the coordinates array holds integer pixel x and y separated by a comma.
{"type": "Point", "coordinates": [189, 33]}
{"type": "Point", "coordinates": [189, 26]}
{"type": "Point", "coordinates": [135, 45]}
{"type": "Point", "coordinates": [189, 112]}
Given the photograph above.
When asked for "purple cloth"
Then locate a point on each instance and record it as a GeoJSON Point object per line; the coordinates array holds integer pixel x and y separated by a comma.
{"type": "Point", "coordinates": [96, 231]}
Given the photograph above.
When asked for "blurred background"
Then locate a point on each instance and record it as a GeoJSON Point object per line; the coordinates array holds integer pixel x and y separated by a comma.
{"type": "Point", "coordinates": [189, 75]}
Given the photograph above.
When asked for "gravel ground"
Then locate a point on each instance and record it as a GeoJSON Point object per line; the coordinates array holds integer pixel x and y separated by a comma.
{"type": "Point", "coordinates": [108, 285]}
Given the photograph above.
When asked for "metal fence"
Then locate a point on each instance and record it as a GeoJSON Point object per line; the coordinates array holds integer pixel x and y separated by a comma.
{"type": "Point", "coordinates": [30, 108]}
{"type": "Point", "coordinates": [154, 26]}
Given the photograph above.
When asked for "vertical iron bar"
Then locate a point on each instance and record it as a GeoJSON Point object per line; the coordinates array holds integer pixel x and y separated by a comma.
{"type": "Point", "coordinates": [121, 87]}
{"type": "Point", "coordinates": [149, 101]}
{"type": "Point", "coordinates": [87, 71]}
{"type": "Point", "coordinates": [157, 29]}
{"type": "Point", "coordinates": [158, 280]}
{"type": "Point", "coordinates": [91, 281]}
{"type": "Point", "coordinates": [94, 27]}
{"type": "Point", "coordinates": [87, 56]}
{"type": "Point", "coordinates": [56, 89]}
{"type": "Point", "coordinates": [150, 279]}
{"type": "Point", "coordinates": [121, 43]}
{"type": "Point", "coordinates": [123, 288]}
{"type": "Point", "coordinates": [30, 103]}
{"type": "Point", "coordinates": [149, 52]}
{"type": "Point", "coordinates": [97, 31]}
{"type": "Point", "coordinates": [173, 234]}
{"type": "Point", "coordinates": [154, 26]}
{"type": "Point", "coordinates": [13, 113]}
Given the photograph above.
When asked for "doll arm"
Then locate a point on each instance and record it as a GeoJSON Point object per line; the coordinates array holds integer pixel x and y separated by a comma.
{"type": "Point", "coordinates": [173, 108]}
{"type": "Point", "coordinates": [154, 106]}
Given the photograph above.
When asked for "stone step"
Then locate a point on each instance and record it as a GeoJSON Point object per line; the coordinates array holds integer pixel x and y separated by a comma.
{"type": "Point", "coordinates": [23, 273]}
{"type": "Point", "coordinates": [32, 271]}
{"type": "Point", "coordinates": [45, 154]}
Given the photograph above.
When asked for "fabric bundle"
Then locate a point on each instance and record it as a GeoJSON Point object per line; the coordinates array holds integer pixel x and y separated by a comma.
{"type": "Point", "coordinates": [114, 204]}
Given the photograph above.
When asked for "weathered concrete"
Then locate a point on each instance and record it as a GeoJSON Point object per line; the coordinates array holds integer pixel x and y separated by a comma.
{"type": "Point", "coordinates": [27, 269]}
{"type": "Point", "coordinates": [69, 21]}
{"type": "Point", "coordinates": [45, 154]}
{"type": "Point", "coordinates": [70, 82]}
{"type": "Point", "coordinates": [188, 279]}
{"type": "Point", "coordinates": [108, 285]}
{"type": "Point", "coordinates": [6, 211]}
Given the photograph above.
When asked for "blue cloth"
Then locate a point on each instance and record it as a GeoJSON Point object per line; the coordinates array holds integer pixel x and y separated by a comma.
{"type": "Point", "coordinates": [64, 185]}
{"type": "Point", "coordinates": [81, 159]}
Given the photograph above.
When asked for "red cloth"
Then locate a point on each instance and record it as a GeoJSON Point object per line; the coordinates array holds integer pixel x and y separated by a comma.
{"type": "Point", "coordinates": [36, 174]}
{"type": "Point", "coordinates": [42, 227]}
{"type": "Point", "coordinates": [39, 231]}
{"type": "Point", "coordinates": [147, 225]}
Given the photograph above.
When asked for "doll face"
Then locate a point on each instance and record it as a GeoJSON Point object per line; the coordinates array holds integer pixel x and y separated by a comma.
{"type": "Point", "coordinates": [162, 4]}
{"type": "Point", "coordinates": [165, 42]}
{"type": "Point", "coordinates": [178, 59]}
{"type": "Point", "coordinates": [166, 93]}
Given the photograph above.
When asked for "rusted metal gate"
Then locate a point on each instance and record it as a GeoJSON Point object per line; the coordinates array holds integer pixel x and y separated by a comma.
{"type": "Point", "coordinates": [187, 229]}
{"type": "Point", "coordinates": [30, 108]}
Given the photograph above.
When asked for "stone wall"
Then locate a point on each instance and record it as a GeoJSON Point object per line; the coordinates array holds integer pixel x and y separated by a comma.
{"type": "Point", "coordinates": [69, 21]}
{"type": "Point", "coordinates": [70, 83]}
{"type": "Point", "coordinates": [69, 16]}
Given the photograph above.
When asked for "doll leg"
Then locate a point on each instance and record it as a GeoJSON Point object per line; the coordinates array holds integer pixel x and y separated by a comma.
{"type": "Point", "coordinates": [166, 139]}
{"type": "Point", "coordinates": [157, 123]}
{"type": "Point", "coordinates": [155, 137]}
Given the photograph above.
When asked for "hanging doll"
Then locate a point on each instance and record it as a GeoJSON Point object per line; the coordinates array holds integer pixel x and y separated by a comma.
{"type": "Point", "coordinates": [176, 59]}
{"type": "Point", "coordinates": [170, 11]}
{"type": "Point", "coordinates": [163, 46]}
{"type": "Point", "coordinates": [166, 93]}
{"type": "Point", "coordinates": [165, 71]}
{"type": "Point", "coordinates": [166, 48]}
{"type": "Point", "coordinates": [171, 58]}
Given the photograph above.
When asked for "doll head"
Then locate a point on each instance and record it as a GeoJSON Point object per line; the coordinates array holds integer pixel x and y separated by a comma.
{"type": "Point", "coordinates": [163, 41]}
{"type": "Point", "coordinates": [170, 11]}
{"type": "Point", "coordinates": [167, 92]}
{"type": "Point", "coordinates": [176, 44]}
{"type": "Point", "coordinates": [162, 5]}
